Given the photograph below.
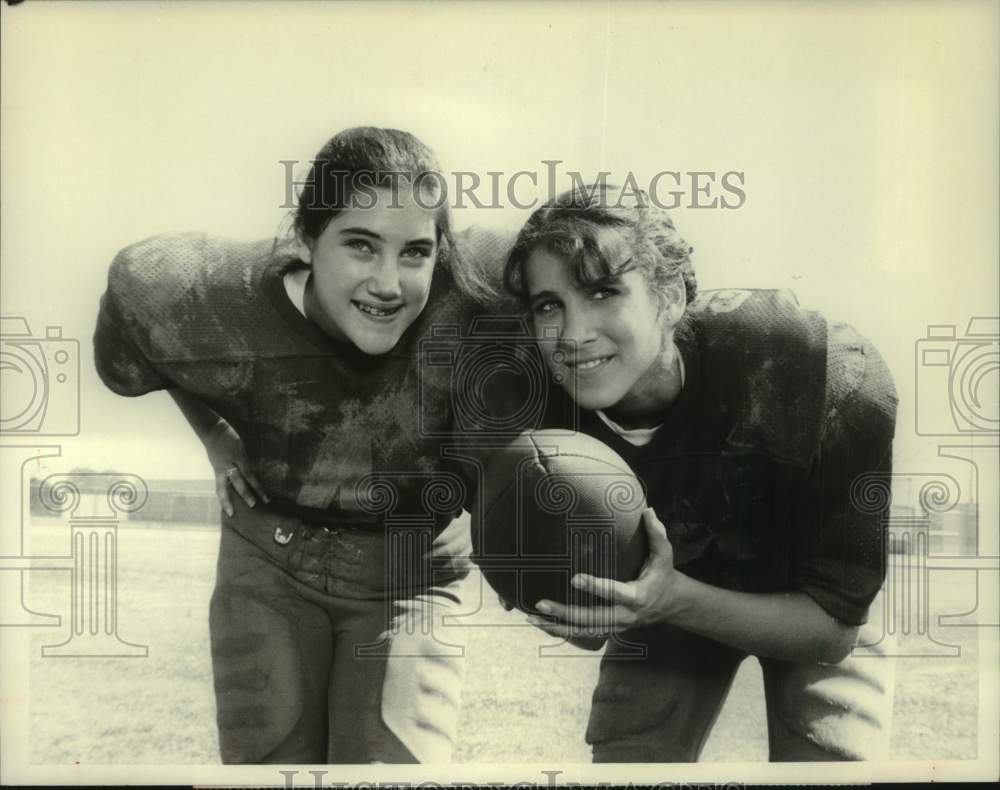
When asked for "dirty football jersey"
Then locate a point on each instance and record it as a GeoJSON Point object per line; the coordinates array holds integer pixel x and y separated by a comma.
{"type": "Point", "coordinates": [326, 427]}
{"type": "Point", "coordinates": [770, 470]}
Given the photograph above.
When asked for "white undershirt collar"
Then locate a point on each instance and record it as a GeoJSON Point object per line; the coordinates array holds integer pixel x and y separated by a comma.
{"type": "Point", "coordinates": [295, 286]}
{"type": "Point", "coordinates": [639, 437]}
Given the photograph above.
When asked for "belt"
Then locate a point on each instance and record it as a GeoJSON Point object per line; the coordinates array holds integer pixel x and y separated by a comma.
{"type": "Point", "coordinates": [326, 518]}
{"type": "Point", "coordinates": [334, 519]}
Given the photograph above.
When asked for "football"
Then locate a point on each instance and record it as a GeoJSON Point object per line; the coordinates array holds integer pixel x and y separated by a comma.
{"type": "Point", "coordinates": [552, 504]}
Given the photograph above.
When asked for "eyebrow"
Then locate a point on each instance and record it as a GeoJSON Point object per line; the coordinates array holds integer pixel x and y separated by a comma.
{"type": "Point", "coordinates": [611, 279]}
{"type": "Point", "coordinates": [534, 297]}
{"type": "Point", "coordinates": [373, 235]}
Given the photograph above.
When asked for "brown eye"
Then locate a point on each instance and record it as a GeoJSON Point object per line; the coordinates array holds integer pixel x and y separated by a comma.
{"type": "Point", "coordinates": [416, 253]}
{"type": "Point", "coordinates": [361, 245]}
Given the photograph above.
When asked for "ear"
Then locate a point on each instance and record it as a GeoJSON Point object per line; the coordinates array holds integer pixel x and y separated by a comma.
{"type": "Point", "coordinates": [303, 247]}
{"type": "Point", "coordinates": [674, 300]}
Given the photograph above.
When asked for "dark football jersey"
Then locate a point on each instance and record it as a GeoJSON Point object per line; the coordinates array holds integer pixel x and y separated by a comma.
{"type": "Point", "coordinates": [320, 420]}
{"type": "Point", "coordinates": [756, 467]}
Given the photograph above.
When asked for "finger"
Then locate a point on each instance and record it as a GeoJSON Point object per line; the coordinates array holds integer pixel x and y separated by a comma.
{"type": "Point", "coordinates": [222, 494]}
{"type": "Point", "coordinates": [656, 532]}
{"type": "Point", "coordinates": [503, 602]}
{"type": "Point", "coordinates": [610, 590]}
{"type": "Point", "coordinates": [553, 629]}
{"type": "Point", "coordinates": [242, 488]}
{"type": "Point", "coordinates": [599, 617]}
{"type": "Point", "coordinates": [654, 527]}
{"type": "Point", "coordinates": [251, 478]}
{"type": "Point", "coordinates": [550, 608]}
{"type": "Point", "coordinates": [567, 632]}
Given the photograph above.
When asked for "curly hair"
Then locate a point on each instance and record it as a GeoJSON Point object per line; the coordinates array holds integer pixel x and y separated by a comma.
{"type": "Point", "coordinates": [602, 232]}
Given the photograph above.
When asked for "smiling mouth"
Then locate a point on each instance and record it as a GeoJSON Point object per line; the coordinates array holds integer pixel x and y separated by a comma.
{"type": "Point", "coordinates": [589, 364]}
{"type": "Point", "coordinates": [373, 311]}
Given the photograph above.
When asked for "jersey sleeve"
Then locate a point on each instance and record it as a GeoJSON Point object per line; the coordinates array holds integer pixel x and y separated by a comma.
{"type": "Point", "coordinates": [484, 398]}
{"type": "Point", "coordinates": [841, 559]}
{"type": "Point", "coordinates": [493, 402]}
{"type": "Point", "coordinates": [121, 363]}
{"type": "Point", "coordinates": [478, 262]}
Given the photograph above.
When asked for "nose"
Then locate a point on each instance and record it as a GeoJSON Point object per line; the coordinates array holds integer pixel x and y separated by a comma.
{"type": "Point", "coordinates": [384, 282]}
{"type": "Point", "coordinates": [577, 329]}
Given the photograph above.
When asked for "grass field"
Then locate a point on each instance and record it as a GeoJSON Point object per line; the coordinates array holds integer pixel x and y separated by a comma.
{"type": "Point", "coordinates": [517, 708]}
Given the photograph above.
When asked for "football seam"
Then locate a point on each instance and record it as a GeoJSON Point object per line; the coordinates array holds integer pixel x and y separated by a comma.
{"type": "Point", "coordinates": [510, 483]}
{"type": "Point", "coordinates": [539, 462]}
{"type": "Point", "coordinates": [559, 454]}
{"type": "Point", "coordinates": [564, 454]}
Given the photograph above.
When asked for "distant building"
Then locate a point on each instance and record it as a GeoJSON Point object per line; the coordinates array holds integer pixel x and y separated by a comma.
{"type": "Point", "coordinates": [951, 533]}
{"type": "Point", "coordinates": [169, 501]}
